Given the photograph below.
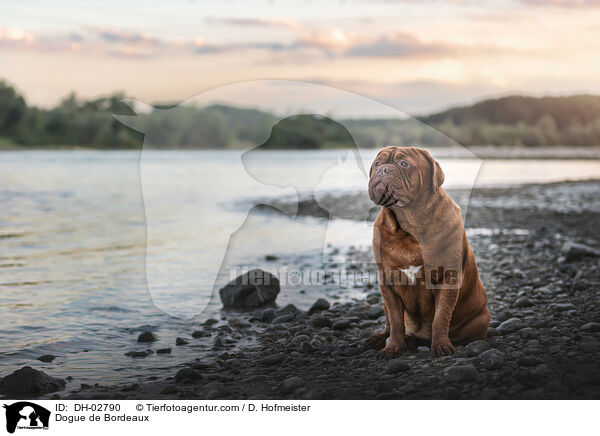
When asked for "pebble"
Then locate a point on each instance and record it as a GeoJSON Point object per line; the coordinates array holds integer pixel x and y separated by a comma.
{"type": "Point", "coordinates": [187, 373]}
{"type": "Point", "coordinates": [163, 351]}
{"type": "Point", "coordinates": [284, 317]}
{"type": "Point", "coordinates": [492, 332]}
{"type": "Point", "coordinates": [492, 359]}
{"type": "Point", "coordinates": [268, 315]}
{"type": "Point", "coordinates": [342, 324]}
{"type": "Point", "coordinates": [146, 337]}
{"type": "Point", "coordinates": [523, 302]}
{"type": "Point", "coordinates": [476, 348]}
{"type": "Point", "coordinates": [137, 354]}
{"type": "Point", "coordinates": [563, 306]}
{"type": "Point", "coordinates": [219, 342]}
{"type": "Point", "coordinates": [291, 384]}
{"type": "Point", "coordinates": [530, 361]}
{"type": "Point", "coordinates": [181, 341]}
{"type": "Point", "coordinates": [591, 327]}
{"type": "Point", "coordinates": [461, 373]}
{"type": "Point", "coordinates": [510, 325]}
{"type": "Point", "coordinates": [200, 334]}
{"type": "Point", "coordinates": [46, 358]}
{"type": "Point", "coordinates": [375, 312]}
{"type": "Point", "coordinates": [397, 365]}
{"type": "Point", "coordinates": [319, 305]}
{"type": "Point", "coordinates": [307, 347]}
{"type": "Point", "coordinates": [321, 321]}
{"type": "Point", "coordinates": [273, 359]}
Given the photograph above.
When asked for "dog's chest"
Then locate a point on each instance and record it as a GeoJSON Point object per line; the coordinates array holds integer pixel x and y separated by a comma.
{"type": "Point", "coordinates": [402, 264]}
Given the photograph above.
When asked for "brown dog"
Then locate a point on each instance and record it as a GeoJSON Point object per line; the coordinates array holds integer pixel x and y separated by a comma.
{"type": "Point", "coordinates": [427, 271]}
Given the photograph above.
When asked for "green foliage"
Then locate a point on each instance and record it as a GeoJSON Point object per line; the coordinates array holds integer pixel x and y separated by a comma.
{"type": "Point", "coordinates": [515, 120]}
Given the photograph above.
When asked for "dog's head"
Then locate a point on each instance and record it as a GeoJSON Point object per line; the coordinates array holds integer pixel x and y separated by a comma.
{"type": "Point", "coordinates": [399, 175]}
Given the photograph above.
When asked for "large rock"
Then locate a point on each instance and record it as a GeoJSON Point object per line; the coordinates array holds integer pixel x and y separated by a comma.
{"type": "Point", "coordinates": [27, 381]}
{"type": "Point", "coordinates": [256, 288]}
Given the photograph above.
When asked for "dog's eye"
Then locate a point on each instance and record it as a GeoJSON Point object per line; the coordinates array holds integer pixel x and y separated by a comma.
{"type": "Point", "coordinates": [404, 164]}
{"type": "Point", "coordinates": [377, 163]}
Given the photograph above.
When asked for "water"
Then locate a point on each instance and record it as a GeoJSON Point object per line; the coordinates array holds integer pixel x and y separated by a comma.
{"type": "Point", "coordinates": [74, 227]}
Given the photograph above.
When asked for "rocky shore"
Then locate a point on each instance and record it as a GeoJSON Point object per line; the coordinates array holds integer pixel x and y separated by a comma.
{"type": "Point", "coordinates": [538, 254]}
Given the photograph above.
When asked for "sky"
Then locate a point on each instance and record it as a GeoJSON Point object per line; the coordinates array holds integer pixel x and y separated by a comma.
{"type": "Point", "coordinates": [417, 56]}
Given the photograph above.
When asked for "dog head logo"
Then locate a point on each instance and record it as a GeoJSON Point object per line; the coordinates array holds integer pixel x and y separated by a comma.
{"type": "Point", "coordinates": [26, 415]}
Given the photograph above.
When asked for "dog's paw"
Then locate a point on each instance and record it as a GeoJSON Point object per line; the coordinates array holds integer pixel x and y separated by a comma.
{"type": "Point", "coordinates": [392, 350]}
{"type": "Point", "coordinates": [442, 347]}
{"type": "Point", "coordinates": [376, 341]}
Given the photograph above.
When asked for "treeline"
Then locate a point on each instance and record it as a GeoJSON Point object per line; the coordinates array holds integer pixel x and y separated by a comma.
{"type": "Point", "coordinates": [526, 121]}
{"type": "Point", "coordinates": [75, 122]}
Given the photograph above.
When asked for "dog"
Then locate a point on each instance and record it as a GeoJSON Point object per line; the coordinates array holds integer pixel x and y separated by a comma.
{"type": "Point", "coordinates": [428, 276]}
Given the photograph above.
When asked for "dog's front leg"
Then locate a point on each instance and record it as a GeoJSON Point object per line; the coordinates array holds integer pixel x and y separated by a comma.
{"type": "Point", "coordinates": [396, 344]}
{"type": "Point", "coordinates": [377, 340]}
{"type": "Point", "coordinates": [445, 301]}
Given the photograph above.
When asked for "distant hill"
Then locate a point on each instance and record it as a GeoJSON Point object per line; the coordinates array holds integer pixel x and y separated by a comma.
{"type": "Point", "coordinates": [564, 111]}
{"type": "Point", "coordinates": [515, 120]}
{"type": "Point", "coordinates": [528, 121]}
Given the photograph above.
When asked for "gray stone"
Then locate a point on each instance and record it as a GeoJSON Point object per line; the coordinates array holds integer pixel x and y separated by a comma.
{"type": "Point", "coordinates": [46, 358]}
{"type": "Point", "coordinates": [492, 332]}
{"type": "Point", "coordinates": [187, 373]}
{"type": "Point", "coordinates": [342, 324]}
{"type": "Point", "coordinates": [476, 348]}
{"type": "Point", "coordinates": [591, 327]}
{"type": "Point", "coordinates": [461, 373]}
{"type": "Point", "coordinates": [397, 365]}
{"type": "Point", "coordinates": [563, 306]}
{"type": "Point", "coordinates": [489, 394]}
{"type": "Point", "coordinates": [510, 325]}
{"type": "Point", "coordinates": [256, 288]}
{"type": "Point", "coordinates": [273, 359]}
{"type": "Point", "coordinates": [137, 354]}
{"type": "Point", "coordinates": [29, 382]}
{"type": "Point", "coordinates": [268, 315]}
{"type": "Point", "coordinates": [319, 305]}
{"type": "Point", "coordinates": [219, 342]}
{"type": "Point", "coordinates": [321, 321]}
{"type": "Point", "coordinates": [492, 359]}
{"type": "Point", "coordinates": [375, 312]}
{"type": "Point", "coordinates": [146, 337]}
{"type": "Point", "coordinates": [523, 302]}
{"type": "Point", "coordinates": [200, 334]}
{"type": "Point", "coordinates": [307, 347]}
{"type": "Point", "coordinates": [530, 361]}
{"type": "Point", "coordinates": [181, 341]}
{"type": "Point", "coordinates": [284, 317]}
{"type": "Point", "coordinates": [575, 251]}
{"type": "Point", "coordinates": [163, 351]}
{"type": "Point", "coordinates": [291, 384]}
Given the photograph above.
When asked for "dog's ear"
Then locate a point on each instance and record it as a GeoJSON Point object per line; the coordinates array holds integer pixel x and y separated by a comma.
{"type": "Point", "coordinates": [436, 175]}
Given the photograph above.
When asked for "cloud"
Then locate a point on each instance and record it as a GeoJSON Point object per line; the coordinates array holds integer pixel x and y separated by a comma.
{"type": "Point", "coordinates": [123, 37]}
{"type": "Point", "coordinates": [564, 3]}
{"type": "Point", "coordinates": [14, 37]}
{"type": "Point", "coordinates": [399, 45]}
{"type": "Point", "coordinates": [257, 22]}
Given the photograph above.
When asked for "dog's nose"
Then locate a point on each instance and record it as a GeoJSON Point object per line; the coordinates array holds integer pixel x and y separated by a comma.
{"type": "Point", "coordinates": [382, 170]}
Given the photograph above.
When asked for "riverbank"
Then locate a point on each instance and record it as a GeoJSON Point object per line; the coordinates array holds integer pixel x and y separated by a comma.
{"type": "Point", "coordinates": [544, 339]}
